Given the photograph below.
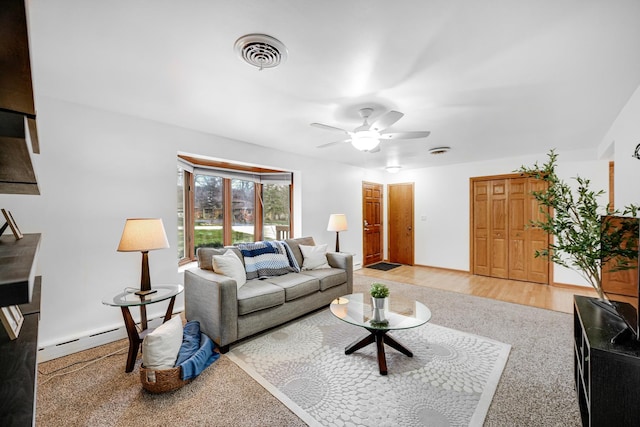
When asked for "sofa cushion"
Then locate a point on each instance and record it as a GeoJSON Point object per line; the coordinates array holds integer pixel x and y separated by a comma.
{"type": "Point", "coordinates": [265, 259]}
{"type": "Point", "coordinates": [205, 257]}
{"type": "Point", "coordinates": [295, 285]}
{"type": "Point", "coordinates": [315, 257]}
{"type": "Point", "coordinates": [294, 244]}
{"type": "Point", "coordinates": [230, 265]}
{"type": "Point", "coordinates": [329, 277]}
{"type": "Point", "coordinates": [257, 295]}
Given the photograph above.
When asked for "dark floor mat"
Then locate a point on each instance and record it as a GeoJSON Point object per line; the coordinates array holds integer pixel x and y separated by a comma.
{"type": "Point", "coordinates": [384, 266]}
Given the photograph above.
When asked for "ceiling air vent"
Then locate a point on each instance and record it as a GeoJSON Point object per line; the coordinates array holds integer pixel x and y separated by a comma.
{"type": "Point", "coordinates": [439, 150]}
{"type": "Point", "coordinates": [261, 50]}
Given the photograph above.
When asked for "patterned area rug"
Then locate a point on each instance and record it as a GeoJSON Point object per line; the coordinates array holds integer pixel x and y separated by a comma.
{"type": "Point", "coordinates": [450, 381]}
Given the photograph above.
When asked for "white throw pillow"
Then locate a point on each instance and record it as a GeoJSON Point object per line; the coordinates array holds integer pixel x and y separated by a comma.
{"type": "Point", "coordinates": [161, 346]}
{"type": "Point", "coordinates": [230, 265]}
{"type": "Point", "coordinates": [314, 257]}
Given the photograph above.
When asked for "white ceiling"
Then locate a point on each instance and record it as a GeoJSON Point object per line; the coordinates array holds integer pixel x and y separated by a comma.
{"type": "Point", "coordinates": [492, 78]}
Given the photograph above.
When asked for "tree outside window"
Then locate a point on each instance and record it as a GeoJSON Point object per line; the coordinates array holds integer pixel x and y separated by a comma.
{"type": "Point", "coordinates": [276, 211]}
{"type": "Point", "coordinates": [208, 211]}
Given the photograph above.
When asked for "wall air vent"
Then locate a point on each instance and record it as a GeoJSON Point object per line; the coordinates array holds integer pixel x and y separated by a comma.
{"type": "Point", "coordinates": [439, 150]}
{"type": "Point", "coordinates": [260, 50]}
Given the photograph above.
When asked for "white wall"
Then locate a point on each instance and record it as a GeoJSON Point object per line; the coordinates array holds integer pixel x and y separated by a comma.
{"type": "Point", "coordinates": [625, 136]}
{"type": "Point", "coordinates": [98, 168]}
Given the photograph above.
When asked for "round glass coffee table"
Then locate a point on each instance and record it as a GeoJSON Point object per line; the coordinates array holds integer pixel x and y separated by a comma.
{"type": "Point", "coordinates": [356, 309]}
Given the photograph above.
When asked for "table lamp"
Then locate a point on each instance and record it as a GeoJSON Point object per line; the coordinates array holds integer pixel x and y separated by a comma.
{"type": "Point", "coordinates": [337, 223]}
{"type": "Point", "coordinates": [144, 235]}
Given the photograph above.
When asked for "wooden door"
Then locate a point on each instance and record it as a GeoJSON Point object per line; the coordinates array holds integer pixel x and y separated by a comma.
{"type": "Point", "coordinates": [372, 223]}
{"type": "Point", "coordinates": [401, 234]}
{"type": "Point", "coordinates": [518, 214]}
{"type": "Point", "coordinates": [481, 227]}
{"type": "Point", "coordinates": [503, 242]}
{"type": "Point", "coordinates": [499, 243]}
{"type": "Point", "coordinates": [537, 239]}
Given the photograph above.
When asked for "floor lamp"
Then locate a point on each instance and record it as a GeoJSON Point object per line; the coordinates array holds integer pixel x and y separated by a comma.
{"type": "Point", "coordinates": [337, 223]}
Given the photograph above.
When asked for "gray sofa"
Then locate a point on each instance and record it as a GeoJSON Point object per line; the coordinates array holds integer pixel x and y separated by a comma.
{"type": "Point", "coordinates": [228, 314]}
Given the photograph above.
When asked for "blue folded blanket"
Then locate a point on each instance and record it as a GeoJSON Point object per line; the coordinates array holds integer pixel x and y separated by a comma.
{"type": "Point", "coordinates": [196, 353]}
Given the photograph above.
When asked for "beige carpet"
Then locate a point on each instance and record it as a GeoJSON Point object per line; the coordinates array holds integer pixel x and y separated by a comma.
{"type": "Point", "coordinates": [536, 387]}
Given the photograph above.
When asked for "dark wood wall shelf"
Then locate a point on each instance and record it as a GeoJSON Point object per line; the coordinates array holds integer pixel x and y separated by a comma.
{"type": "Point", "coordinates": [17, 106]}
{"type": "Point", "coordinates": [18, 366]}
{"type": "Point", "coordinates": [607, 375]}
{"type": "Point", "coordinates": [17, 268]}
{"type": "Point", "coordinates": [18, 141]}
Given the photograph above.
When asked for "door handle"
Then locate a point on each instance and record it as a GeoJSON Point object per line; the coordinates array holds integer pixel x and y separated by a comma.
{"type": "Point", "coordinates": [409, 228]}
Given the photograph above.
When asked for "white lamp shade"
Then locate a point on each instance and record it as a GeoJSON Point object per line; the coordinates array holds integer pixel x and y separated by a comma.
{"type": "Point", "coordinates": [337, 222]}
{"type": "Point", "coordinates": [143, 234]}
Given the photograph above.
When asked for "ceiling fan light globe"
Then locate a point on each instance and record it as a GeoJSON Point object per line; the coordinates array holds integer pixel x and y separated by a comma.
{"type": "Point", "coordinates": [365, 140]}
{"type": "Point", "coordinates": [393, 169]}
{"type": "Point", "coordinates": [366, 143]}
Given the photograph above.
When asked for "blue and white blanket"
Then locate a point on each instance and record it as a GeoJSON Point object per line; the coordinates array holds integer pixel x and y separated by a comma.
{"type": "Point", "coordinates": [270, 258]}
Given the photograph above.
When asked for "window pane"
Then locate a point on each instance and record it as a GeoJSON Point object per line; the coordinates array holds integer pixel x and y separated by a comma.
{"type": "Point", "coordinates": [242, 211]}
{"type": "Point", "coordinates": [276, 211]}
{"type": "Point", "coordinates": [209, 212]}
{"type": "Point", "coordinates": [181, 231]}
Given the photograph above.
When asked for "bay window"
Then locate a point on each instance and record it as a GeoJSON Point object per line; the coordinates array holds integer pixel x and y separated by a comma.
{"type": "Point", "coordinates": [223, 206]}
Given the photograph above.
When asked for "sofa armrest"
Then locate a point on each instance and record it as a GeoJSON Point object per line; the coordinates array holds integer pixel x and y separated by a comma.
{"type": "Point", "coordinates": [345, 262]}
{"type": "Point", "coordinates": [212, 300]}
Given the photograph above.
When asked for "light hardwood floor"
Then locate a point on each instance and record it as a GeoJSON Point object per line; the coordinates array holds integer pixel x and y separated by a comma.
{"type": "Point", "coordinates": [558, 298]}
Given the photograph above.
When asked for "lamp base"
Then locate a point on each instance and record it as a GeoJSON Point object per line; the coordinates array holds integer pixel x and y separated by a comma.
{"type": "Point", "coordinates": [145, 279]}
{"type": "Point", "coordinates": [147, 292]}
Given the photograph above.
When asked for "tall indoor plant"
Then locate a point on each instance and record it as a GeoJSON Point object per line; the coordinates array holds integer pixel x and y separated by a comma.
{"type": "Point", "coordinates": [584, 239]}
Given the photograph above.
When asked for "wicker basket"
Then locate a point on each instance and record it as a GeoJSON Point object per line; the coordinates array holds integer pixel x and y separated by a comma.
{"type": "Point", "coordinates": [161, 380]}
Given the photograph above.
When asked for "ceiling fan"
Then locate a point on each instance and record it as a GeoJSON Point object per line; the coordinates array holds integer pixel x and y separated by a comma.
{"type": "Point", "coordinates": [367, 136]}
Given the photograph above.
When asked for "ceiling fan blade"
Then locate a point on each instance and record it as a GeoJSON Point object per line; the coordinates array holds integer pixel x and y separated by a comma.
{"type": "Point", "coordinates": [328, 144]}
{"type": "Point", "coordinates": [327, 127]}
{"type": "Point", "coordinates": [405, 135]}
{"type": "Point", "coordinates": [386, 120]}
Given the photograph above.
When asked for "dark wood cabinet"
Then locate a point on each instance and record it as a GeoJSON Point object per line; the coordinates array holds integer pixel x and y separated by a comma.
{"type": "Point", "coordinates": [607, 375]}
{"type": "Point", "coordinates": [18, 367]}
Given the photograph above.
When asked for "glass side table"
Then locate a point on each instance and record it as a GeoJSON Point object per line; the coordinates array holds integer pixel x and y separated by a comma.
{"type": "Point", "coordinates": [127, 299]}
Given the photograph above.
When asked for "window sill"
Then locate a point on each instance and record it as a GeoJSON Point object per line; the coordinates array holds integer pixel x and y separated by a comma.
{"type": "Point", "coordinates": [187, 266]}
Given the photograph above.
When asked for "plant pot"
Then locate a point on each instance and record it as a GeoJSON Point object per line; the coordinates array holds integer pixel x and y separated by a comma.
{"type": "Point", "coordinates": [379, 306]}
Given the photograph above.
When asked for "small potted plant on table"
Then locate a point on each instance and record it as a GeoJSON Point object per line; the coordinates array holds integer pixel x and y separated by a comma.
{"type": "Point", "coordinates": [379, 296]}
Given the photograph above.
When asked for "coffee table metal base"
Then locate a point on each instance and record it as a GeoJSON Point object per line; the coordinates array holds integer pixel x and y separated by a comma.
{"type": "Point", "coordinates": [380, 337]}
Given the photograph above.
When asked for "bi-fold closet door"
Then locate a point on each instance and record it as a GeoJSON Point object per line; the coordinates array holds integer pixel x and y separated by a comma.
{"type": "Point", "coordinates": [503, 242]}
